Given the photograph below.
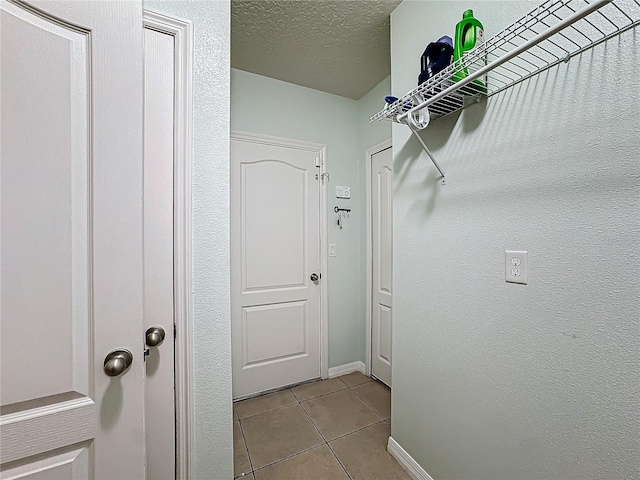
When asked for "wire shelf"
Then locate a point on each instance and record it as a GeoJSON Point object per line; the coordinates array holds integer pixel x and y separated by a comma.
{"type": "Point", "coordinates": [553, 32]}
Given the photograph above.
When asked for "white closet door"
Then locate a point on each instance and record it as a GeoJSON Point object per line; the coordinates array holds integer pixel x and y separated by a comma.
{"type": "Point", "coordinates": [382, 247]}
{"type": "Point", "coordinates": [158, 250]}
{"type": "Point", "coordinates": [71, 244]}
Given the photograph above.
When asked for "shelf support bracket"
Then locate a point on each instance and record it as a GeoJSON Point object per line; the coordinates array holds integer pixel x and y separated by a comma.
{"type": "Point", "coordinates": [426, 149]}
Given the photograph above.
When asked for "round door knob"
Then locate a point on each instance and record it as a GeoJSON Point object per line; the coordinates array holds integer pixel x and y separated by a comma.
{"type": "Point", "coordinates": [314, 277]}
{"type": "Point", "coordinates": [117, 361]}
{"type": "Point", "coordinates": [154, 336]}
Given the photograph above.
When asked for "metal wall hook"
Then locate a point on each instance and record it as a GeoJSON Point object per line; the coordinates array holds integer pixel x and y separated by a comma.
{"type": "Point", "coordinates": [342, 213]}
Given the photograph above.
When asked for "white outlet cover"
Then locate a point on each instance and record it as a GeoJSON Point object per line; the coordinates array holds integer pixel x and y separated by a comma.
{"type": "Point", "coordinates": [516, 267]}
{"type": "Point", "coordinates": [332, 249]}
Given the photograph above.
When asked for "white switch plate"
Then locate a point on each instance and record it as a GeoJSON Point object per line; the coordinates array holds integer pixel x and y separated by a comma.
{"type": "Point", "coordinates": [332, 249]}
{"type": "Point", "coordinates": [516, 268]}
{"type": "Point", "coordinates": [343, 192]}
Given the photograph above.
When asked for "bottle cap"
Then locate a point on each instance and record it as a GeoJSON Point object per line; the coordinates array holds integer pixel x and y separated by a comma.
{"type": "Point", "coordinates": [446, 39]}
{"type": "Point", "coordinates": [468, 14]}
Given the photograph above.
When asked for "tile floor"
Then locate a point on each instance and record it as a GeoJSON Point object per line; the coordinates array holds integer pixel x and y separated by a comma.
{"type": "Point", "coordinates": [325, 430]}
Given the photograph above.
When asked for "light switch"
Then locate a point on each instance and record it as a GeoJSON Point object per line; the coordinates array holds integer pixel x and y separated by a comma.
{"type": "Point", "coordinates": [516, 266]}
{"type": "Point", "coordinates": [332, 249]}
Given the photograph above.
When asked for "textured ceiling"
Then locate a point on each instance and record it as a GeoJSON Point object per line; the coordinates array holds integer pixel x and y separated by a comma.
{"type": "Point", "coordinates": [339, 47]}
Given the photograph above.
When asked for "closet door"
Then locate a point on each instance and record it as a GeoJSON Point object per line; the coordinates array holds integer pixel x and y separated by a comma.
{"type": "Point", "coordinates": [381, 247]}
{"type": "Point", "coordinates": [71, 245]}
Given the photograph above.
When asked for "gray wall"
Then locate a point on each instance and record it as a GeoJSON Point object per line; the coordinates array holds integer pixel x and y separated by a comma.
{"type": "Point", "coordinates": [273, 107]}
{"type": "Point", "coordinates": [495, 380]}
{"type": "Point", "coordinates": [212, 452]}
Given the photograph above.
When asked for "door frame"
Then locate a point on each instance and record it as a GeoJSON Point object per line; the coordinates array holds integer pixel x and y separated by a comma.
{"type": "Point", "coordinates": [320, 150]}
{"type": "Point", "coordinates": [182, 31]}
{"type": "Point", "coordinates": [369, 255]}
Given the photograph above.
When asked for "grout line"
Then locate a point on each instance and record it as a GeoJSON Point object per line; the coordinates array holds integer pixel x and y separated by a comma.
{"type": "Point", "coordinates": [323, 395]}
{"type": "Point", "coordinates": [360, 384]}
{"type": "Point", "coordinates": [340, 462]}
{"type": "Point", "coordinates": [275, 390]}
{"type": "Point", "coordinates": [368, 405]}
{"type": "Point", "coordinates": [272, 409]}
{"type": "Point", "coordinates": [295, 396]}
{"type": "Point", "coordinates": [356, 431]}
{"type": "Point", "coordinates": [347, 387]}
{"type": "Point", "coordinates": [312, 422]}
{"type": "Point", "coordinates": [341, 381]}
{"type": "Point", "coordinates": [289, 457]}
{"type": "Point", "coordinates": [246, 447]}
{"type": "Point", "coordinates": [346, 435]}
{"type": "Point", "coordinates": [300, 400]}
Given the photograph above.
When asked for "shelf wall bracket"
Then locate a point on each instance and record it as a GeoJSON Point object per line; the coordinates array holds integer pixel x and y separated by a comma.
{"type": "Point", "coordinates": [414, 129]}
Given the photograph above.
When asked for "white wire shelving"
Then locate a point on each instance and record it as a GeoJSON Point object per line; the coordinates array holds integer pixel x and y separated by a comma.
{"type": "Point", "coordinates": [551, 33]}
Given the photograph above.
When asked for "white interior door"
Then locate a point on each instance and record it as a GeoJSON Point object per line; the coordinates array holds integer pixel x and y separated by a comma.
{"type": "Point", "coordinates": [274, 253]}
{"type": "Point", "coordinates": [71, 240]}
{"type": "Point", "coordinates": [381, 248]}
{"type": "Point", "coordinates": [158, 252]}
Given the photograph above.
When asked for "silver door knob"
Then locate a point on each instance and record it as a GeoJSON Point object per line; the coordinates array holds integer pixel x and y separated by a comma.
{"type": "Point", "coordinates": [314, 277]}
{"type": "Point", "coordinates": [117, 361]}
{"type": "Point", "coordinates": [154, 336]}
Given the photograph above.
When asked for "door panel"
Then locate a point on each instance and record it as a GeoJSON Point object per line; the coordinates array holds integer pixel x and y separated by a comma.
{"type": "Point", "coordinates": [45, 207]}
{"type": "Point", "coordinates": [70, 462]}
{"type": "Point", "coordinates": [384, 333]}
{"type": "Point", "coordinates": [70, 252]}
{"type": "Point", "coordinates": [382, 247]}
{"type": "Point", "coordinates": [289, 319]}
{"type": "Point", "coordinates": [158, 250]}
{"type": "Point", "coordinates": [275, 249]}
{"type": "Point", "coordinates": [271, 206]}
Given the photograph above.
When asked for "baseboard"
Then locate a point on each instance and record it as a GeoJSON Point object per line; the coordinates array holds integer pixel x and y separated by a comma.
{"type": "Point", "coordinates": [415, 471]}
{"type": "Point", "coordinates": [346, 368]}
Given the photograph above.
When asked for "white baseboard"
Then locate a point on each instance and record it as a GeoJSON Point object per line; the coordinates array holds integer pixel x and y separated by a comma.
{"type": "Point", "coordinates": [346, 368]}
{"type": "Point", "coordinates": [406, 461]}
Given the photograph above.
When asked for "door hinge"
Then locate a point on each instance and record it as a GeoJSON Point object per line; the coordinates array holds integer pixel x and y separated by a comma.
{"type": "Point", "coordinates": [175, 332]}
{"type": "Point", "coordinates": [318, 162]}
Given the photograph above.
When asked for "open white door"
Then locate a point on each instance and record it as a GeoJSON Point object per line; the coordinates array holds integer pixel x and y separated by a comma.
{"type": "Point", "coordinates": [381, 248]}
{"type": "Point", "coordinates": [71, 244]}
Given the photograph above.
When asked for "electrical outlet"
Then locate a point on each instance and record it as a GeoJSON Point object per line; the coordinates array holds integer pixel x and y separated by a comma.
{"type": "Point", "coordinates": [516, 267]}
{"type": "Point", "coordinates": [332, 249]}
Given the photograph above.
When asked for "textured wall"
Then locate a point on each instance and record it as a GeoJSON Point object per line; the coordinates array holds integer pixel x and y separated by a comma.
{"type": "Point", "coordinates": [272, 107]}
{"type": "Point", "coordinates": [212, 454]}
{"type": "Point", "coordinates": [502, 381]}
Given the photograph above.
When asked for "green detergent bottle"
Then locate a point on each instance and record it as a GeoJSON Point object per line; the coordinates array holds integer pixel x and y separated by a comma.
{"type": "Point", "coordinates": [469, 38]}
